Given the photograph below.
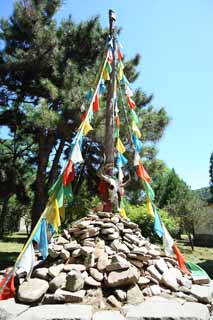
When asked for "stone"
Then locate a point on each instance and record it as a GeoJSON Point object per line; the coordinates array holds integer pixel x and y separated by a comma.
{"type": "Point", "coordinates": [72, 246]}
{"type": "Point", "coordinates": [98, 252]}
{"type": "Point", "coordinates": [66, 234]}
{"type": "Point", "coordinates": [61, 240]}
{"type": "Point", "coordinates": [169, 280]}
{"type": "Point", "coordinates": [107, 231]}
{"type": "Point", "coordinates": [74, 281]}
{"type": "Point", "coordinates": [183, 281]}
{"type": "Point", "coordinates": [115, 244]}
{"type": "Point", "coordinates": [86, 251]}
{"type": "Point", "coordinates": [140, 251]}
{"type": "Point", "coordinates": [115, 219]}
{"type": "Point", "coordinates": [57, 247]}
{"type": "Point", "coordinates": [32, 290]}
{"type": "Point", "coordinates": [200, 279]}
{"type": "Point", "coordinates": [123, 248]}
{"type": "Point", "coordinates": [161, 265]}
{"type": "Point", "coordinates": [121, 278]}
{"type": "Point", "coordinates": [118, 263]}
{"type": "Point", "coordinates": [52, 299]}
{"type": "Point", "coordinates": [59, 312]}
{"type": "Point", "coordinates": [89, 261]}
{"type": "Point", "coordinates": [120, 294]}
{"type": "Point", "coordinates": [97, 275]}
{"type": "Point", "coordinates": [57, 282]}
{"type": "Point", "coordinates": [109, 251]}
{"type": "Point", "coordinates": [69, 267]}
{"type": "Point", "coordinates": [143, 281]}
{"type": "Point", "coordinates": [103, 261]}
{"type": "Point", "coordinates": [53, 253]}
{"type": "Point", "coordinates": [155, 290]}
{"type": "Point", "coordinates": [202, 293]}
{"type": "Point", "coordinates": [108, 315]}
{"type": "Point", "coordinates": [134, 295]}
{"type": "Point", "coordinates": [104, 214]}
{"type": "Point", "coordinates": [154, 272]}
{"type": "Point", "coordinates": [113, 236]}
{"type": "Point", "coordinates": [71, 297]}
{"type": "Point", "coordinates": [76, 253]}
{"type": "Point", "coordinates": [136, 263]}
{"type": "Point", "coordinates": [55, 270]}
{"type": "Point", "coordinates": [65, 254]}
{"type": "Point", "coordinates": [176, 272]}
{"type": "Point", "coordinates": [88, 243]}
{"type": "Point", "coordinates": [165, 310]}
{"type": "Point", "coordinates": [186, 297]}
{"type": "Point", "coordinates": [113, 301]}
{"type": "Point", "coordinates": [9, 309]}
{"type": "Point", "coordinates": [41, 273]}
{"type": "Point", "coordinates": [92, 282]}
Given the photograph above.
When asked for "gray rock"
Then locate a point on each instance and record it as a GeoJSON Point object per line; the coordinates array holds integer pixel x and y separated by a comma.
{"type": "Point", "coordinates": [107, 231]}
{"type": "Point", "coordinates": [169, 280]}
{"type": "Point", "coordinates": [120, 294]}
{"type": "Point", "coordinates": [108, 315]}
{"type": "Point", "coordinates": [155, 290]}
{"type": "Point", "coordinates": [66, 234]}
{"type": "Point", "coordinates": [143, 281]}
{"type": "Point", "coordinates": [123, 248]}
{"type": "Point", "coordinates": [113, 236]}
{"type": "Point", "coordinates": [41, 273]}
{"type": "Point", "coordinates": [86, 251]}
{"type": "Point", "coordinates": [59, 312]}
{"type": "Point", "coordinates": [186, 297]}
{"type": "Point", "coordinates": [71, 297]}
{"type": "Point", "coordinates": [140, 251]}
{"type": "Point", "coordinates": [103, 261]}
{"type": "Point", "coordinates": [185, 282]}
{"type": "Point", "coordinates": [115, 244]}
{"type": "Point", "coordinates": [74, 281]}
{"type": "Point", "coordinates": [136, 263]}
{"type": "Point", "coordinates": [88, 243]}
{"type": "Point", "coordinates": [121, 278]}
{"type": "Point", "coordinates": [32, 290]}
{"type": "Point", "coordinates": [61, 241]}
{"type": "Point", "coordinates": [113, 301]}
{"type": "Point", "coordinates": [154, 272]}
{"type": "Point", "coordinates": [89, 261]}
{"type": "Point", "coordinates": [52, 299]}
{"type": "Point", "coordinates": [201, 280]}
{"type": "Point", "coordinates": [134, 295]}
{"type": "Point", "coordinates": [57, 247]}
{"type": "Point", "coordinates": [65, 254]}
{"type": "Point", "coordinates": [72, 246]}
{"type": "Point", "coordinates": [79, 267]}
{"type": "Point", "coordinates": [92, 282]}
{"type": "Point", "coordinates": [55, 270]}
{"type": "Point", "coordinates": [161, 266]}
{"type": "Point", "coordinates": [202, 293]}
{"type": "Point", "coordinates": [9, 309]}
{"type": "Point", "coordinates": [104, 214]}
{"type": "Point", "coordinates": [166, 310]}
{"type": "Point", "coordinates": [115, 219]}
{"type": "Point", "coordinates": [76, 253]}
{"type": "Point", "coordinates": [57, 282]}
{"type": "Point", "coordinates": [118, 263]}
{"type": "Point", "coordinates": [53, 253]}
{"type": "Point", "coordinates": [97, 275]}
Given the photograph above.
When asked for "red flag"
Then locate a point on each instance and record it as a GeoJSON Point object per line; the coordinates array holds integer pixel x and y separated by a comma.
{"type": "Point", "coordinates": [69, 174]}
{"type": "Point", "coordinates": [180, 259]}
{"type": "Point", "coordinates": [96, 103]}
{"type": "Point", "coordinates": [120, 55]}
{"type": "Point", "coordinates": [142, 173]}
{"type": "Point", "coordinates": [83, 115]}
{"type": "Point", "coordinates": [9, 289]}
{"type": "Point", "coordinates": [131, 103]}
{"type": "Point", "coordinates": [117, 121]}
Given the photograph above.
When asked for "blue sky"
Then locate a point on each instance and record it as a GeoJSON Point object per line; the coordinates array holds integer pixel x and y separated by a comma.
{"type": "Point", "coordinates": [174, 39]}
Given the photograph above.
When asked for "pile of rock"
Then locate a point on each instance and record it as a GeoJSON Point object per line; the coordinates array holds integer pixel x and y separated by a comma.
{"type": "Point", "coordinates": [104, 260]}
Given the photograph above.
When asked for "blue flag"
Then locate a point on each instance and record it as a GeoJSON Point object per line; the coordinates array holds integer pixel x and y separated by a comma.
{"type": "Point", "coordinates": [137, 143]}
{"type": "Point", "coordinates": [41, 238]}
{"type": "Point", "coordinates": [157, 223]}
{"type": "Point", "coordinates": [121, 161]}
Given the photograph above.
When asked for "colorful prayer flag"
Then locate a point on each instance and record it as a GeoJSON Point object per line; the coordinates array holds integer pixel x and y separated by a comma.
{"type": "Point", "coordinates": [41, 238]}
{"type": "Point", "coordinates": [105, 75]}
{"type": "Point", "coordinates": [157, 223]}
{"type": "Point", "coordinates": [108, 67]}
{"type": "Point", "coordinates": [121, 161]}
{"type": "Point", "coordinates": [69, 174]}
{"type": "Point", "coordinates": [95, 104]}
{"type": "Point", "coordinates": [76, 155]}
{"type": "Point", "coordinates": [137, 143]}
{"type": "Point", "coordinates": [137, 159]}
{"type": "Point", "coordinates": [128, 91]}
{"type": "Point", "coordinates": [149, 191]}
{"type": "Point", "coordinates": [7, 288]}
{"type": "Point", "coordinates": [53, 215]}
{"type": "Point", "coordinates": [86, 127]}
{"type": "Point", "coordinates": [120, 71]}
{"type": "Point", "coordinates": [88, 95]}
{"type": "Point", "coordinates": [116, 132]}
{"type": "Point", "coordinates": [27, 260]}
{"type": "Point", "coordinates": [142, 173]}
{"type": "Point", "coordinates": [117, 121]}
{"type": "Point", "coordinates": [120, 147]}
{"type": "Point", "coordinates": [136, 130]}
{"type": "Point", "coordinates": [149, 207]}
{"type": "Point", "coordinates": [131, 103]}
{"type": "Point", "coordinates": [102, 87]}
{"type": "Point", "coordinates": [134, 116]}
{"type": "Point", "coordinates": [167, 241]}
{"type": "Point", "coordinates": [180, 259]}
{"type": "Point", "coordinates": [120, 55]}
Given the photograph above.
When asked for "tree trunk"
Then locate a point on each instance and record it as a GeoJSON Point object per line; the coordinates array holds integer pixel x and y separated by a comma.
{"type": "Point", "coordinates": [3, 215]}
{"type": "Point", "coordinates": [53, 171]}
{"type": "Point", "coordinates": [46, 144]}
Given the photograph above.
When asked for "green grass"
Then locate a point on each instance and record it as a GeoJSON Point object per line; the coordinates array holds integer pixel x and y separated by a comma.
{"type": "Point", "coordinates": [10, 246]}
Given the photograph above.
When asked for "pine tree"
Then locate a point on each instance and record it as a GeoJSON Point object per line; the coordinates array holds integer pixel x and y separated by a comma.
{"type": "Point", "coordinates": [211, 176]}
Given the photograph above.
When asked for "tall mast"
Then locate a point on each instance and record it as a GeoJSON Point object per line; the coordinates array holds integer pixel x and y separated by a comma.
{"type": "Point", "coordinates": [109, 131]}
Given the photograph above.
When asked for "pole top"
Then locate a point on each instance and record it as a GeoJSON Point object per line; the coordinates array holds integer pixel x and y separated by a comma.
{"type": "Point", "coordinates": [112, 15]}
{"type": "Point", "coordinates": [112, 19]}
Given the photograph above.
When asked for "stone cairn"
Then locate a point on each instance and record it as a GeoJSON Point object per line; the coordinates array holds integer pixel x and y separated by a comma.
{"type": "Point", "coordinates": [104, 260]}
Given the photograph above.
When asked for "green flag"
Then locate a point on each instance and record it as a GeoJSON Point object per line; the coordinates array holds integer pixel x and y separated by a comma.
{"type": "Point", "coordinates": [134, 116]}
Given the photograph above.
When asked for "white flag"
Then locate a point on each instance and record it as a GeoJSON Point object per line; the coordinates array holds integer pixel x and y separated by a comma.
{"type": "Point", "coordinates": [167, 241]}
{"type": "Point", "coordinates": [128, 91]}
{"type": "Point", "coordinates": [136, 159]}
{"type": "Point", "coordinates": [120, 175]}
{"type": "Point", "coordinates": [76, 156]}
{"type": "Point", "coordinates": [27, 260]}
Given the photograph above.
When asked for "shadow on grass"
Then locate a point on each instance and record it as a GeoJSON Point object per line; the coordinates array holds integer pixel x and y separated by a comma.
{"type": "Point", "coordinates": [207, 265]}
{"type": "Point", "coordinates": [7, 259]}
{"type": "Point", "coordinates": [21, 239]}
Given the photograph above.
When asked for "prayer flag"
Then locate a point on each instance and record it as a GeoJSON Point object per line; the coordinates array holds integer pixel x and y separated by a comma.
{"type": "Point", "coordinates": [108, 67]}
{"type": "Point", "coordinates": [102, 87]}
{"type": "Point", "coordinates": [149, 207]}
{"type": "Point", "coordinates": [157, 224]}
{"type": "Point", "coordinates": [27, 260]}
{"type": "Point", "coordinates": [124, 80]}
{"type": "Point", "coordinates": [7, 288]}
{"type": "Point", "coordinates": [131, 103]}
{"type": "Point", "coordinates": [149, 191]}
{"type": "Point", "coordinates": [120, 175]}
{"type": "Point", "coordinates": [120, 147]}
{"type": "Point", "coordinates": [76, 156]}
{"type": "Point", "coordinates": [68, 192]}
{"type": "Point", "coordinates": [180, 259]}
{"type": "Point", "coordinates": [137, 159]}
{"type": "Point", "coordinates": [167, 241]}
{"type": "Point", "coordinates": [86, 127]}
{"type": "Point", "coordinates": [41, 238]}
{"type": "Point", "coordinates": [120, 72]}
{"type": "Point", "coordinates": [128, 91]}
{"type": "Point", "coordinates": [83, 115]}
{"type": "Point", "coordinates": [106, 76]}
{"type": "Point", "coordinates": [142, 173]}
{"type": "Point", "coordinates": [69, 174]}
{"type": "Point", "coordinates": [120, 55]}
{"type": "Point", "coordinates": [53, 215]}
{"type": "Point", "coordinates": [117, 121]}
{"type": "Point", "coordinates": [95, 104]}
{"type": "Point", "coordinates": [137, 143]}
{"type": "Point", "coordinates": [123, 213]}
{"type": "Point", "coordinates": [88, 95]}
{"type": "Point", "coordinates": [121, 161]}
{"type": "Point", "coordinates": [116, 132]}
{"type": "Point", "coordinates": [134, 116]}
{"type": "Point", "coordinates": [136, 130]}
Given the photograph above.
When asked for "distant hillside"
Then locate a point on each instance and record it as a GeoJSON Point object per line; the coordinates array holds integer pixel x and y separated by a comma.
{"type": "Point", "coordinates": [204, 193]}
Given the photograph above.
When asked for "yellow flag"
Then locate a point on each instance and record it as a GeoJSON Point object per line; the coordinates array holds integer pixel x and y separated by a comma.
{"type": "Point", "coordinates": [120, 147]}
{"type": "Point", "coordinates": [86, 127]}
{"type": "Point", "coordinates": [62, 213]}
{"type": "Point", "coordinates": [106, 75]}
{"type": "Point", "coordinates": [123, 213]}
{"type": "Point", "coordinates": [120, 72]}
{"type": "Point", "coordinates": [149, 207]}
{"type": "Point", "coordinates": [136, 129]}
{"type": "Point", "coordinates": [53, 215]}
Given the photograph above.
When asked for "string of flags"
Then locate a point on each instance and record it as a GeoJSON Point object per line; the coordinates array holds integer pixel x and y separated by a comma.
{"type": "Point", "coordinates": [61, 190]}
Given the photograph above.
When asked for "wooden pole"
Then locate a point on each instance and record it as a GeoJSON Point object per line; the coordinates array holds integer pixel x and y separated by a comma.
{"type": "Point", "coordinates": [109, 131]}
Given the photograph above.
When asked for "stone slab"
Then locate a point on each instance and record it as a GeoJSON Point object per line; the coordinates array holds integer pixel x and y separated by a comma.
{"type": "Point", "coordinates": [166, 311]}
{"type": "Point", "coordinates": [59, 312]}
{"type": "Point", "coordinates": [9, 309]}
{"type": "Point", "coordinates": [108, 315]}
